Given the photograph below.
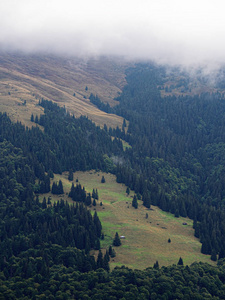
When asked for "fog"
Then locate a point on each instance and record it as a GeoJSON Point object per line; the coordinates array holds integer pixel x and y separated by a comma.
{"type": "Point", "coordinates": [166, 31]}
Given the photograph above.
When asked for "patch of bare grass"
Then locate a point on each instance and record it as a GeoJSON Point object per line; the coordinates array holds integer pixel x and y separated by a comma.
{"type": "Point", "coordinates": [146, 239]}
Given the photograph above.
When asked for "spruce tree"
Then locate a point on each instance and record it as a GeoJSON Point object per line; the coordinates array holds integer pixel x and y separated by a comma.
{"type": "Point", "coordinates": [134, 202]}
{"type": "Point", "coordinates": [213, 256]}
{"type": "Point", "coordinates": [146, 199]}
{"type": "Point", "coordinates": [116, 241]}
{"type": "Point", "coordinates": [128, 191]}
{"type": "Point", "coordinates": [106, 261]}
{"type": "Point", "coordinates": [180, 262]}
{"type": "Point", "coordinates": [156, 265]}
{"type": "Point", "coordinates": [70, 176]}
{"type": "Point", "coordinates": [49, 201]}
{"type": "Point", "coordinates": [88, 199]}
{"type": "Point", "coordinates": [93, 194]}
{"type": "Point", "coordinates": [110, 250]}
{"type": "Point", "coordinates": [97, 244]}
{"type": "Point", "coordinates": [44, 203]}
{"type": "Point", "coordinates": [99, 260]}
{"type": "Point", "coordinates": [60, 188]}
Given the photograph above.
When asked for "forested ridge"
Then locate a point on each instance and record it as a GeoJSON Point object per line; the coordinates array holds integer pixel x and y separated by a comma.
{"type": "Point", "coordinates": [176, 161]}
{"type": "Point", "coordinates": [177, 156]}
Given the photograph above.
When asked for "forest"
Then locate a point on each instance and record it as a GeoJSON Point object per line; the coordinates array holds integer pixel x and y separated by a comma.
{"type": "Point", "coordinates": [175, 161]}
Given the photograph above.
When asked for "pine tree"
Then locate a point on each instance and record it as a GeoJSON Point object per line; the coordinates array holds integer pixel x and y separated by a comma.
{"type": "Point", "coordinates": [106, 261]}
{"type": "Point", "coordinates": [116, 241]}
{"type": "Point", "coordinates": [180, 262]}
{"type": "Point", "coordinates": [156, 265]}
{"type": "Point", "coordinates": [134, 202]}
{"type": "Point", "coordinates": [103, 179]}
{"type": "Point", "coordinates": [44, 203]}
{"type": "Point", "coordinates": [96, 194]}
{"type": "Point", "coordinates": [110, 250]}
{"type": "Point", "coordinates": [88, 199]}
{"type": "Point", "coordinates": [128, 191]}
{"type": "Point", "coordinates": [97, 244]}
{"type": "Point", "coordinates": [70, 176]}
{"type": "Point", "coordinates": [99, 260]}
{"type": "Point", "coordinates": [50, 174]}
{"type": "Point", "coordinates": [98, 225]}
{"type": "Point", "coordinates": [113, 253]}
{"type": "Point", "coordinates": [213, 256]}
{"type": "Point", "coordinates": [49, 201]}
{"type": "Point", "coordinates": [146, 199]}
{"type": "Point", "coordinates": [54, 188]}
{"type": "Point", "coordinates": [60, 188]}
{"type": "Point", "coordinates": [93, 194]}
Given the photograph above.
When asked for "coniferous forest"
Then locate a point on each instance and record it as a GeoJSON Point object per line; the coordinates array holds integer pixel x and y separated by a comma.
{"type": "Point", "coordinates": [176, 161]}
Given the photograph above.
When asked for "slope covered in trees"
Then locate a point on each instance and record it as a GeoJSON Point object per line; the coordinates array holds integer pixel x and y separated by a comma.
{"type": "Point", "coordinates": [36, 237]}
{"type": "Point", "coordinates": [176, 156]}
{"type": "Point", "coordinates": [176, 161]}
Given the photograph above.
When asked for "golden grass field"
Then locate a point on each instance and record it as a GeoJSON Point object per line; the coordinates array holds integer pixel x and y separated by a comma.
{"type": "Point", "coordinates": [146, 239]}
{"type": "Point", "coordinates": [58, 79]}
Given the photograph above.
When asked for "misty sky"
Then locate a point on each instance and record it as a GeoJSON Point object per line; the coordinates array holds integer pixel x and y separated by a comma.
{"type": "Point", "coordinates": [170, 31]}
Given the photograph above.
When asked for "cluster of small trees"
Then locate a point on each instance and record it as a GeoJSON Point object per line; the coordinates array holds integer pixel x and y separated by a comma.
{"type": "Point", "coordinates": [57, 188]}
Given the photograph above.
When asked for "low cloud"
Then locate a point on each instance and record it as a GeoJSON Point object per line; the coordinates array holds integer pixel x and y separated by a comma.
{"type": "Point", "coordinates": [173, 32]}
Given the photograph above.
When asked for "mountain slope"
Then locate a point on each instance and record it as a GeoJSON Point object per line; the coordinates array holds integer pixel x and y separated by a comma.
{"type": "Point", "coordinates": [67, 81]}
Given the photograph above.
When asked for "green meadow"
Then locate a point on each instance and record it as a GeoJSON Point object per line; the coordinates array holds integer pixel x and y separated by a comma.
{"type": "Point", "coordinates": [146, 239]}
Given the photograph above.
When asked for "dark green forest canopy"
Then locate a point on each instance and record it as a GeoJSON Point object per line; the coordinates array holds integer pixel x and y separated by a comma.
{"type": "Point", "coordinates": [177, 153]}
{"type": "Point", "coordinates": [176, 158]}
{"type": "Point", "coordinates": [176, 161]}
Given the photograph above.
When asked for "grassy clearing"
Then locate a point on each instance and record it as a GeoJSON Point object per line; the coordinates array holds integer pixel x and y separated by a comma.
{"type": "Point", "coordinates": [126, 145]}
{"type": "Point", "coordinates": [146, 239]}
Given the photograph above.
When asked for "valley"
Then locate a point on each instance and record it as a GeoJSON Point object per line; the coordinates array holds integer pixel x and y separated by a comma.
{"type": "Point", "coordinates": [163, 139]}
{"type": "Point", "coordinates": [146, 238]}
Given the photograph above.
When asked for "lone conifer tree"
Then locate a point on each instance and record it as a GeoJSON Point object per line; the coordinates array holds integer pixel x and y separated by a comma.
{"type": "Point", "coordinates": [116, 241]}
{"type": "Point", "coordinates": [180, 262]}
{"type": "Point", "coordinates": [134, 202]}
{"type": "Point", "coordinates": [156, 265]}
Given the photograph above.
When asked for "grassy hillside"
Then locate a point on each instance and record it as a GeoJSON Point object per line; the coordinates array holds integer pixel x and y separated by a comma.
{"type": "Point", "coordinates": [146, 238]}
{"type": "Point", "coordinates": [67, 81]}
